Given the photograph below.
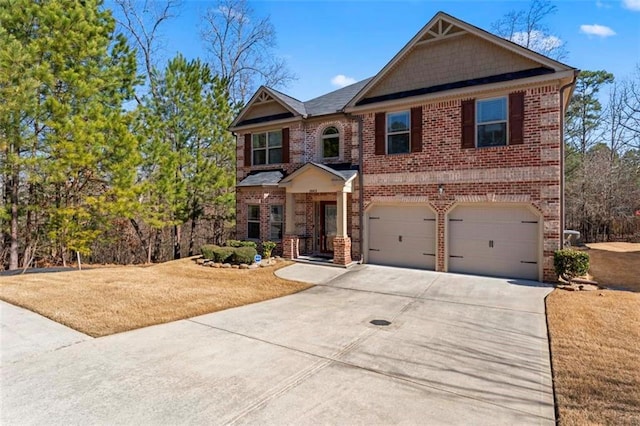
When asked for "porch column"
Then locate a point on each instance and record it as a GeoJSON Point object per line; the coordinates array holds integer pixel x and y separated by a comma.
{"type": "Point", "coordinates": [290, 241]}
{"type": "Point", "coordinates": [341, 243]}
{"type": "Point", "coordinates": [341, 207]}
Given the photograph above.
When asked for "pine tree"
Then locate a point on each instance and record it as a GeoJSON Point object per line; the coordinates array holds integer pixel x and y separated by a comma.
{"type": "Point", "coordinates": [189, 153]}
{"type": "Point", "coordinates": [64, 131]}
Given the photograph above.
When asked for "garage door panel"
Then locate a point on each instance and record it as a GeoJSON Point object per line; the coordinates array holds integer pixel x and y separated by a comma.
{"type": "Point", "coordinates": [494, 214]}
{"type": "Point", "coordinates": [497, 268]}
{"type": "Point", "coordinates": [402, 236]}
{"type": "Point", "coordinates": [499, 241]}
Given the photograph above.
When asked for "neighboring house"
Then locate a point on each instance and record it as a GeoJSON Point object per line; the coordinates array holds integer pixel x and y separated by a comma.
{"type": "Point", "coordinates": [450, 159]}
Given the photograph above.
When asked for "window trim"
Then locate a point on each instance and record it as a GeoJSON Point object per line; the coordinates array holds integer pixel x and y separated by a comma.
{"type": "Point", "coordinates": [387, 133]}
{"type": "Point", "coordinates": [323, 137]}
{"type": "Point", "coordinates": [476, 122]}
{"type": "Point", "coordinates": [250, 220]}
{"type": "Point", "coordinates": [267, 148]}
{"type": "Point", "coordinates": [272, 222]}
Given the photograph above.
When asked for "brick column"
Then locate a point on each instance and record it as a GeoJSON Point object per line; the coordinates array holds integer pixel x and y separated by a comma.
{"type": "Point", "coordinates": [290, 246]}
{"type": "Point", "coordinates": [342, 250]}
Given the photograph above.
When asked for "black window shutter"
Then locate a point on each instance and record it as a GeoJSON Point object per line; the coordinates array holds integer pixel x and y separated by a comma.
{"type": "Point", "coordinates": [416, 129]}
{"type": "Point", "coordinates": [285, 145]}
{"type": "Point", "coordinates": [380, 131]}
{"type": "Point", "coordinates": [516, 118]}
{"type": "Point", "coordinates": [247, 149]}
{"type": "Point", "coordinates": [469, 123]}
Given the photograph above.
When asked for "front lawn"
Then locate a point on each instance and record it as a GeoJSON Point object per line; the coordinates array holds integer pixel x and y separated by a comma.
{"type": "Point", "coordinates": [104, 301]}
{"type": "Point", "coordinates": [595, 342]}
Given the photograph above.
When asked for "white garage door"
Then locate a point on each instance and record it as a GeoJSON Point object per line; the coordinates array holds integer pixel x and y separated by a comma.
{"type": "Point", "coordinates": [402, 236]}
{"type": "Point", "coordinates": [496, 241]}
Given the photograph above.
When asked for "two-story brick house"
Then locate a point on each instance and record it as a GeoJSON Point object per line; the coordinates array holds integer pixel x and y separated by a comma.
{"type": "Point", "coordinates": [450, 159]}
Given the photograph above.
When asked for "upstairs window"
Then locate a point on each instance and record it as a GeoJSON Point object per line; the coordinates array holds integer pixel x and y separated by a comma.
{"type": "Point", "coordinates": [491, 122]}
{"type": "Point", "coordinates": [267, 147]}
{"type": "Point", "coordinates": [330, 142]}
{"type": "Point", "coordinates": [398, 132]}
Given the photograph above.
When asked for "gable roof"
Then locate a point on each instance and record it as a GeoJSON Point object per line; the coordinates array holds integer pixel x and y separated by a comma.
{"type": "Point", "coordinates": [343, 175]}
{"type": "Point", "coordinates": [264, 94]}
{"type": "Point", "coordinates": [443, 25]}
{"type": "Point", "coordinates": [295, 104]}
{"type": "Point", "coordinates": [330, 103]}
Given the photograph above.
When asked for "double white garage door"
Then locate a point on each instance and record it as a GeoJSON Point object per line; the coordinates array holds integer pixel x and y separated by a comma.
{"type": "Point", "coordinates": [485, 240]}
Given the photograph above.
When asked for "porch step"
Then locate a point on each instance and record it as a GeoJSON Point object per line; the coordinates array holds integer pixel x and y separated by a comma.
{"type": "Point", "coordinates": [312, 260]}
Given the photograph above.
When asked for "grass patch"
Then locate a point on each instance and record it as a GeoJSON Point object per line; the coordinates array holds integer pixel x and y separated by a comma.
{"type": "Point", "coordinates": [616, 264]}
{"type": "Point", "coordinates": [99, 302]}
{"type": "Point", "coordinates": [595, 346]}
{"type": "Point", "coordinates": [595, 341]}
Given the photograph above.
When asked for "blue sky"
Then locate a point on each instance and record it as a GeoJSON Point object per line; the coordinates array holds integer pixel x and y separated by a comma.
{"type": "Point", "coordinates": [355, 39]}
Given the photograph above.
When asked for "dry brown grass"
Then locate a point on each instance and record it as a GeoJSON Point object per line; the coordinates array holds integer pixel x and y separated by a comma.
{"type": "Point", "coordinates": [99, 302]}
{"type": "Point", "coordinates": [595, 347]}
{"type": "Point", "coordinates": [615, 264]}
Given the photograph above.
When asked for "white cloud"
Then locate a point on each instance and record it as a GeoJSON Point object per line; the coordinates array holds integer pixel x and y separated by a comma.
{"type": "Point", "coordinates": [597, 30]}
{"type": "Point", "coordinates": [602, 5]}
{"type": "Point", "coordinates": [342, 80]}
{"type": "Point", "coordinates": [537, 41]}
{"type": "Point", "coordinates": [631, 4]}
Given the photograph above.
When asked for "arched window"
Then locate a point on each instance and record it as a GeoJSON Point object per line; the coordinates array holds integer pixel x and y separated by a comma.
{"type": "Point", "coordinates": [330, 142]}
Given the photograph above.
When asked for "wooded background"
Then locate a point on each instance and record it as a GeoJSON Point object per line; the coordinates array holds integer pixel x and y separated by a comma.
{"type": "Point", "coordinates": [113, 152]}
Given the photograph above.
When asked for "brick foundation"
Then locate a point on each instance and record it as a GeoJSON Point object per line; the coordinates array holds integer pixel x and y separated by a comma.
{"type": "Point", "coordinates": [342, 250]}
{"type": "Point", "coordinates": [290, 247]}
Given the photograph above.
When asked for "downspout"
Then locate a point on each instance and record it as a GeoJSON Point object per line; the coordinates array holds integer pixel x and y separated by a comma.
{"type": "Point", "coordinates": [360, 182]}
{"type": "Point", "coordinates": [562, 118]}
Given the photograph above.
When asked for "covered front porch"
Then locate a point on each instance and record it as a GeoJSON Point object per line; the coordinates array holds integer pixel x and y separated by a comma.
{"type": "Point", "coordinates": [317, 214]}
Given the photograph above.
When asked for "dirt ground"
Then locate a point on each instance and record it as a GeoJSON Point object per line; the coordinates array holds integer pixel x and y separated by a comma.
{"type": "Point", "coordinates": [615, 265]}
{"type": "Point", "coordinates": [104, 301]}
{"type": "Point", "coordinates": [595, 341]}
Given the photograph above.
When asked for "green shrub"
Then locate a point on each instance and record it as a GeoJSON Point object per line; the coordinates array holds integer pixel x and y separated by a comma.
{"type": "Point", "coordinates": [243, 255]}
{"type": "Point", "coordinates": [222, 254]}
{"type": "Point", "coordinates": [207, 251]}
{"type": "Point", "coordinates": [237, 243]}
{"type": "Point", "coordinates": [570, 263]}
{"type": "Point", "coordinates": [267, 248]}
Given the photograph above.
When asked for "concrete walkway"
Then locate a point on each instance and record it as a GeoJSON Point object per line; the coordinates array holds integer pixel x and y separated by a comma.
{"type": "Point", "coordinates": [25, 334]}
{"type": "Point", "coordinates": [459, 350]}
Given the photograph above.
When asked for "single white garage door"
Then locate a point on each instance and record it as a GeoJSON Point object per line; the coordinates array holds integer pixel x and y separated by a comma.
{"type": "Point", "coordinates": [496, 241]}
{"type": "Point", "coordinates": [402, 236]}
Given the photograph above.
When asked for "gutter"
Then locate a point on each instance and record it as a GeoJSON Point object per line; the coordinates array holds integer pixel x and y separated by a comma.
{"type": "Point", "coordinates": [562, 119]}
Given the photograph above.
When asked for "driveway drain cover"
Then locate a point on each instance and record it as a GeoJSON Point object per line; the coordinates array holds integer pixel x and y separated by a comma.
{"type": "Point", "coordinates": [380, 322]}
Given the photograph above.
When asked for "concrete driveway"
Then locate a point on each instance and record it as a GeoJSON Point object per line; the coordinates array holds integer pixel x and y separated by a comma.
{"type": "Point", "coordinates": [459, 350]}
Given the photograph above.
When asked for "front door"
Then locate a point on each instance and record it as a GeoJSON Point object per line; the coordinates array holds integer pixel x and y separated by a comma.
{"type": "Point", "coordinates": [328, 225]}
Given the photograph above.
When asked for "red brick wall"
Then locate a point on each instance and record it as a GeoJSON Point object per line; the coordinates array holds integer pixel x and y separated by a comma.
{"type": "Point", "coordinates": [527, 173]}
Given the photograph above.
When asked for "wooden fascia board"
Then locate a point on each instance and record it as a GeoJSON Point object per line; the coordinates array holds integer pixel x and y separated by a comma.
{"type": "Point", "coordinates": [265, 125]}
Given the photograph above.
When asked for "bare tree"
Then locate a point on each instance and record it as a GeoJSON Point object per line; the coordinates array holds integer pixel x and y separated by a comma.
{"type": "Point", "coordinates": [141, 22]}
{"type": "Point", "coordinates": [242, 49]}
{"type": "Point", "coordinates": [631, 114]}
{"type": "Point", "coordinates": [526, 27]}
